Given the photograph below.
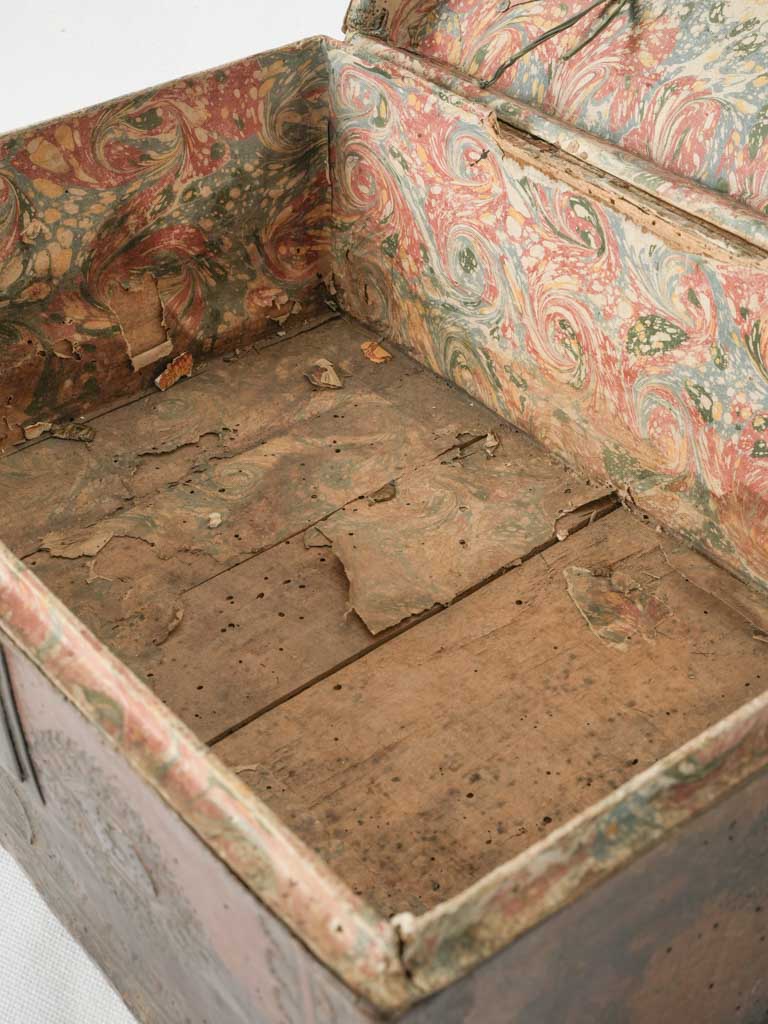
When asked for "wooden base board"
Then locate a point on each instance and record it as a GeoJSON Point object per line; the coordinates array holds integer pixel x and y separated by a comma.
{"type": "Point", "coordinates": [177, 534]}
{"type": "Point", "coordinates": [424, 765]}
{"type": "Point", "coordinates": [505, 672]}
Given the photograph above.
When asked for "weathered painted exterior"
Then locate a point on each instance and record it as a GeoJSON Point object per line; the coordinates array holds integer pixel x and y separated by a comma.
{"type": "Point", "coordinates": [180, 937]}
{"type": "Point", "coordinates": [624, 334]}
{"type": "Point", "coordinates": [181, 219]}
{"type": "Point", "coordinates": [685, 88]}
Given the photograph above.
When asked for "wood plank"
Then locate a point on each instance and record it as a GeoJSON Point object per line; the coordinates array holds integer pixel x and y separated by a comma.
{"type": "Point", "coordinates": [265, 629]}
{"type": "Point", "coordinates": [452, 524]}
{"type": "Point", "coordinates": [454, 746]}
{"type": "Point", "coordinates": [256, 634]}
{"type": "Point", "coordinates": [135, 575]}
{"type": "Point", "coordinates": [227, 407]}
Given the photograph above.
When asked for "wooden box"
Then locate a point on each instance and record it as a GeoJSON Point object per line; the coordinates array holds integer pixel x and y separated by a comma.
{"type": "Point", "coordinates": [385, 486]}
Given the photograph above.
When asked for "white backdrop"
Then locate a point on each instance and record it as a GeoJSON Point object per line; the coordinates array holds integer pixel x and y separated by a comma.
{"type": "Point", "coordinates": [55, 58]}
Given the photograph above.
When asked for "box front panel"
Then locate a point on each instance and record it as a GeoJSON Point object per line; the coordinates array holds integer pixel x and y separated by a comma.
{"type": "Point", "coordinates": [179, 936]}
{"type": "Point", "coordinates": [679, 935]}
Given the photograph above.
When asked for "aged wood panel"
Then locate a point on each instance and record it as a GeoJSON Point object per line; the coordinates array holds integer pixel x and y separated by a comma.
{"type": "Point", "coordinates": [458, 744]}
{"type": "Point", "coordinates": [255, 634]}
{"type": "Point", "coordinates": [137, 575]}
{"type": "Point", "coordinates": [179, 936]}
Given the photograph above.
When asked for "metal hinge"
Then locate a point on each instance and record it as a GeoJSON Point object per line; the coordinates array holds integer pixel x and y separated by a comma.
{"type": "Point", "coordinates": [14, 752]}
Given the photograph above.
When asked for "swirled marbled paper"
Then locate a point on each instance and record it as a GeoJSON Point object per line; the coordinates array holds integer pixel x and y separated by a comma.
{"type": "Point", "coordinates": [644, 363]}
{"type": "Point", "coordinates": [686, 88]}
{"type": "Point", "coordinates": [178, 219]}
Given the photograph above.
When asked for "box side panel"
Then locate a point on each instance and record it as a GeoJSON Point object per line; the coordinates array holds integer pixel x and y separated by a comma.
{"type": "Point", "coordinates": [624, 337]}
{"type": "Point", "coordinates": [684, 86]}
{"type": "Point", "coordinates": [680, 934]}
{"type": "Point", "coordinates": [186, 218]}
{"type": "Point", "coordinates": [179, 936]}
{"type": "Point", "coordinates": [335, 924]}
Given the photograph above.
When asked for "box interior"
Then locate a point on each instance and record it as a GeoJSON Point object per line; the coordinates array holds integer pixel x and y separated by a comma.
{"type": "Point", "coordinates": [422, 639]}
{"type": "Point", "coordinates": [418, 632]}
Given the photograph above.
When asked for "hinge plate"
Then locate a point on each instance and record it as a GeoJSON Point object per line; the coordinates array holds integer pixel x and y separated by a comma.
{"type": "Point", "coordinates": [14, 753]}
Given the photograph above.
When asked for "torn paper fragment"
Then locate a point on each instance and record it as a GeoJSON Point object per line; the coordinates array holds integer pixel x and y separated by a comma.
{"type": "Point", "coordinates": [173, 623]}
{"type": "Point", "coordinates": [73, 432]}
{"type": "Point", "coordinates": [385, 493]}
{"type": "Point", "coordinates": [179, 367]}
{"type": "Point", "coordinates": [572, 519]}
{"type": "Point", "coordinates": [135, 303]}
{"type": "Point", "coordinates": [447, 527]}
{"type": "Point", "coordinates": [34, 430]}
{"type": "Point", "coordinates": [324, 375]}
{"type": "Point", "coordinates": [616, 607]}
{"type": "Point", "coordinates": [85, 543]}
{"type": "Point", "coordinates": [373, 350]}
{"type": "Point", "coordinates": [490, 444]}
{"type": "Point", "coordinates": [214, 520]}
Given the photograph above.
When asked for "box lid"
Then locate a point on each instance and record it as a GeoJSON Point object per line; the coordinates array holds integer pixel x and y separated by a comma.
{"type": "Point", "coordinates": [682, 85]}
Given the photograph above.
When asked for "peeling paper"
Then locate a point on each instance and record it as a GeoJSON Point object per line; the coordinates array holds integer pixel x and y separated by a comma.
{"type": "Point", "coordinates": [179, 367]}
{"type": "Point", "coordinates": [573, 519]}
{"type": "Point", "coordinates": [490, 444]}
{"type": "Point", "coordinates": [616, 607]}
{"type": "Point", "coordinates": [34, 430]}
{"type": "Point", "coordinates": [324, 375]}
{"type": "Point", "coordinates": [177, 615]}
{"type": "Point", "coordinates": [84, 543]}
{"type": "Point", "coordinates": [373, 350]}
{"type": "Point", "coordinates": [73, 432]}
{"type": "Point", "coordinates": [137, 306]}
{"type": "Point", "coordinates": [385, 493]}
{"type": "Point", "coordinates": [448, 526]}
